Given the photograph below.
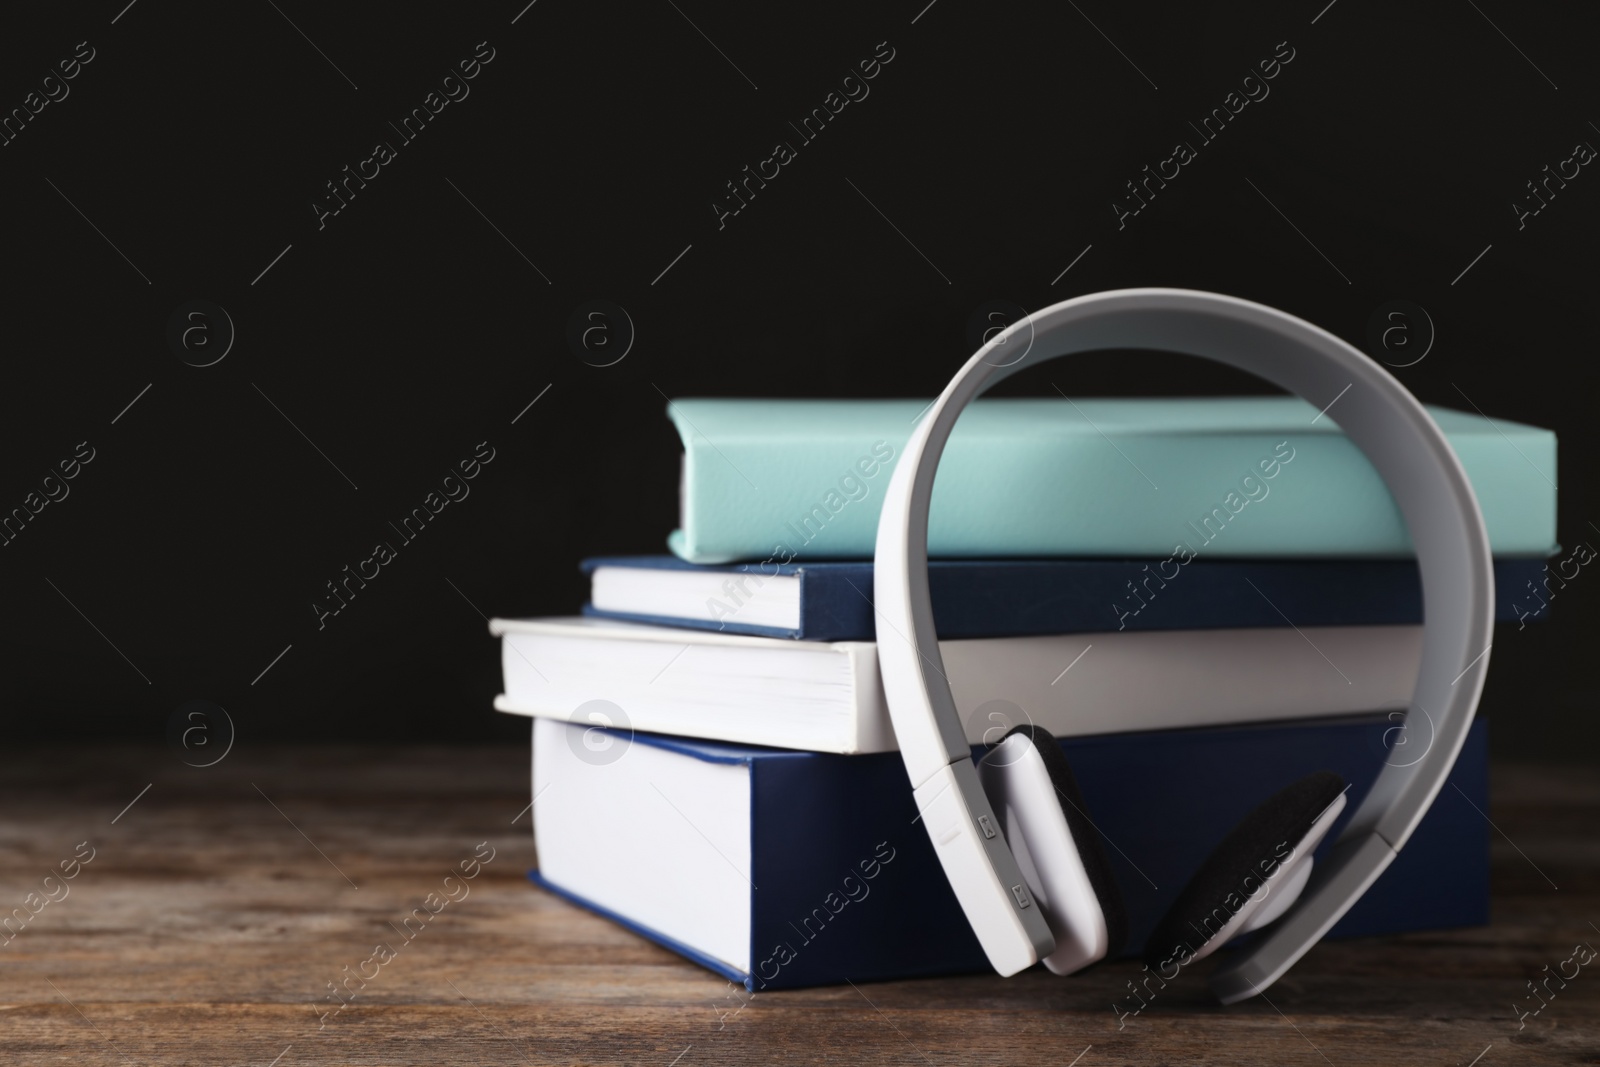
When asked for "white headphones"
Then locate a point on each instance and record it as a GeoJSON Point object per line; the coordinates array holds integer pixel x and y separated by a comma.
{"type": "Point", "coordinates": [1037, 886]}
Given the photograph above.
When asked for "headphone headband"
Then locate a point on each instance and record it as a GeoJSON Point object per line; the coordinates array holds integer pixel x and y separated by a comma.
{"type": "Point", "coordinates": [1416, 463]}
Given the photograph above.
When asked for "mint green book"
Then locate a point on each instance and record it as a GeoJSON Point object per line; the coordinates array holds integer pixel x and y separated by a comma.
{"type": "Point", "coordinates": [785, 480]}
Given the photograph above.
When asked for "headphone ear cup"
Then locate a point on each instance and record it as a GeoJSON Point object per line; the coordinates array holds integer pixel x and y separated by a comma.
{"type": "Point", "coordinates": [1252, 876]}
{"type": "Point", "coordinates": [1032, 790]}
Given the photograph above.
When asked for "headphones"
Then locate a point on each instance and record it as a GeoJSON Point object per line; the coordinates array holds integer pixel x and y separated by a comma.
{"type": "Point", "coordinates": [1037, 885]}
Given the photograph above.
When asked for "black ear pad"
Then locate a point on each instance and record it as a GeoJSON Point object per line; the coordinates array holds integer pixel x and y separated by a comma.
{"type": "Point", "coordinates": [1084, 835]}
{"type": "Point", "coordinates": [1254, 849]}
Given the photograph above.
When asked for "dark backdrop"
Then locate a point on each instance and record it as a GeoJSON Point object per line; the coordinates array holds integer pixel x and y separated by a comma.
{"type": "Point", "coordinates": [385, 341]}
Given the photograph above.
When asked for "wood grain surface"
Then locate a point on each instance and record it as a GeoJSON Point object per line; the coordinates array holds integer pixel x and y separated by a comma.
{"type": "Point", "coordinates": [217, 909]}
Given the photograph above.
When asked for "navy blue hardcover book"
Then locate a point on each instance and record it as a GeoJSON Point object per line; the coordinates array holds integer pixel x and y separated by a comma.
{"type": "Point", "coordinates": [832, 601]}
{"type": "Point", "coordinates": [843, 883]}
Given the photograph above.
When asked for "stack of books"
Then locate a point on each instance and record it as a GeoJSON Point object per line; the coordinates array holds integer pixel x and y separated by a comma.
{"type": "Point", "coordinates": [1203, 599]}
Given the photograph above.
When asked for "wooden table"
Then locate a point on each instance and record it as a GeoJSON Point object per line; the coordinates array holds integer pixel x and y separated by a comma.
{"type": "Point", "coordinates": [218, 907]}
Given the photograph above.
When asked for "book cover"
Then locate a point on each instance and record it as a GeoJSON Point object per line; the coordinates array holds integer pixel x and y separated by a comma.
{"type": "Point", "coordinates": [1178, 478]}
{"type": "Point", "coordinates": [844, 885]}
{"type": "Point", "coordinates": [1003, 598]}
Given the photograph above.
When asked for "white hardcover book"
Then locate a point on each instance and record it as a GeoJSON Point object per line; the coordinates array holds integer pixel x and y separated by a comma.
{"type": "Point", "coordinates": [828, 697]}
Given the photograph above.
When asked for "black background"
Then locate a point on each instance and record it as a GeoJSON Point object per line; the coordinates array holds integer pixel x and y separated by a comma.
{"type": "Point", "coordinates": [407, 329]}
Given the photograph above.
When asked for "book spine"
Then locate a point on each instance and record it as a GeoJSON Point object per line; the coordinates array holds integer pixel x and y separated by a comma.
{"type": "Point", "coordinates": [1089, 596]}
{"type": "Point", "coordinates": [846, 885]}
{"type": "Point", "coordinates": [1211, 497]}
